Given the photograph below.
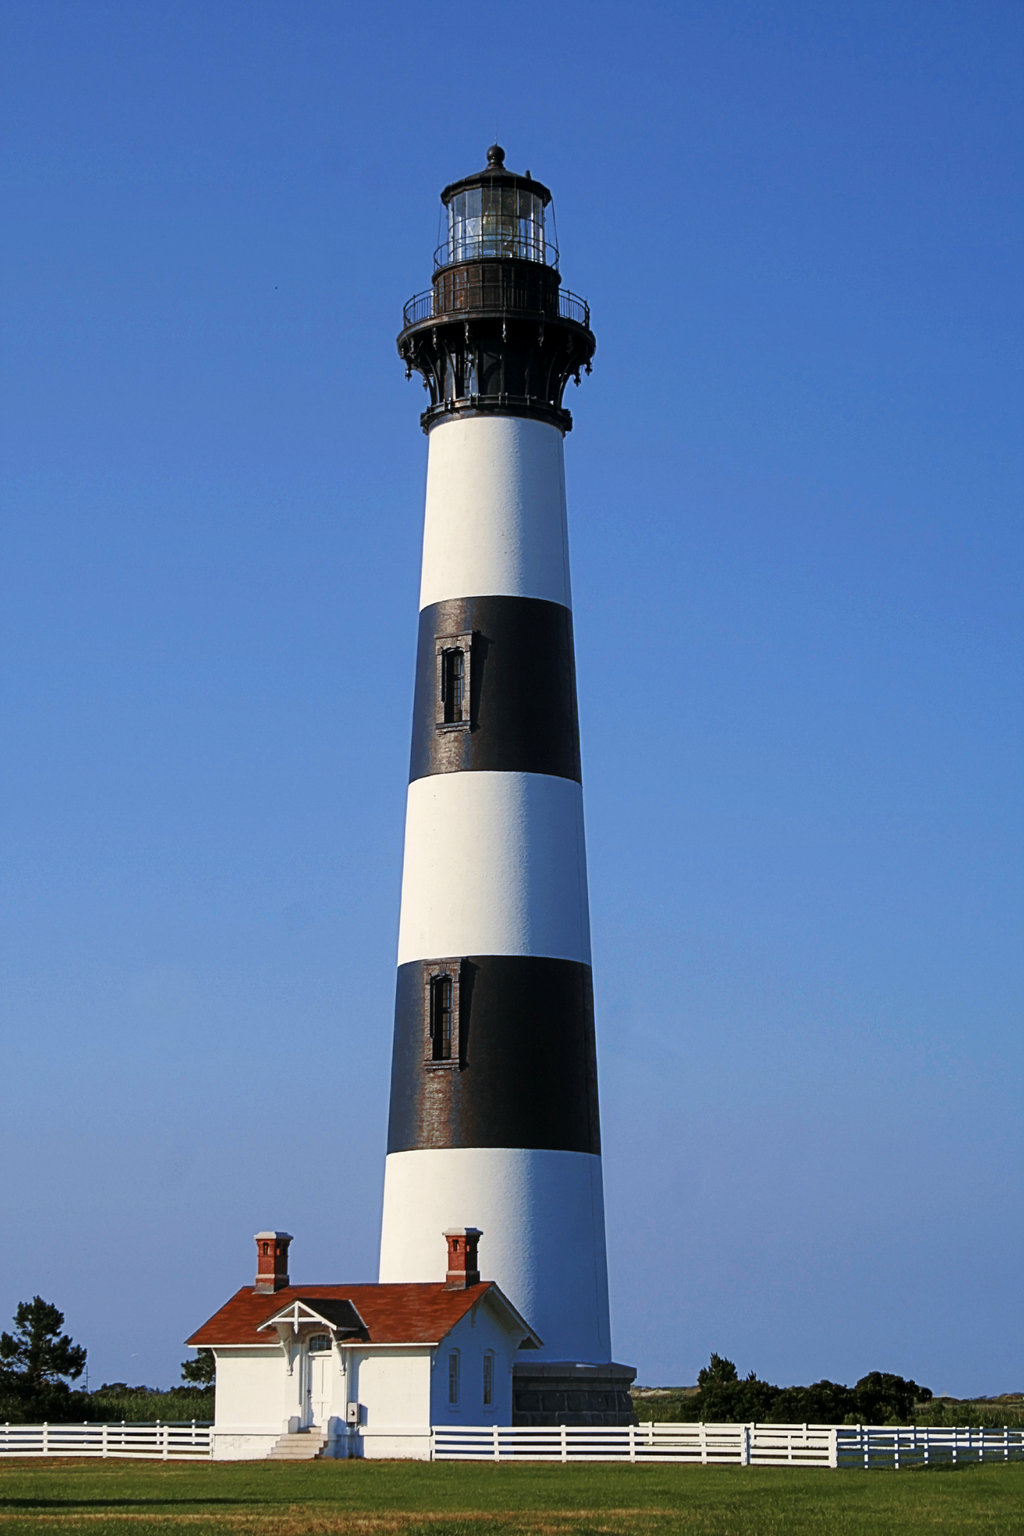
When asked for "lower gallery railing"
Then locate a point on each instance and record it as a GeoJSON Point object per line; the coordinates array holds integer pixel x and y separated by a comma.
{"type": "Point", "coordinates": [160, 1442]}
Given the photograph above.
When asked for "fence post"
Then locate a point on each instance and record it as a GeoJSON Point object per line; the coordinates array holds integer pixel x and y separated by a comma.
{"type": "Point", "coordinates": [497, 1442]}
{"type": "Point", "coordinates": [746, 1442]}
{"type": "Point", "coordinates": [833, 1448]}
{"type": "Point", "coordinates": [46, 1438]}
{"type": "Point", "coordinates": [632, 1442]}
{"type": "Point", "coordinates": [565, 1445]}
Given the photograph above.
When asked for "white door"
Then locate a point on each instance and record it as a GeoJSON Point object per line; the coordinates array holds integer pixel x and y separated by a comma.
{"type": "Point", "coordinates": [319, 1379]}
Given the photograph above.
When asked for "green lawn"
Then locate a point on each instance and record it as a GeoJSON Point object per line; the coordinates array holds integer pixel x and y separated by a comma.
{"type": "Point", "coordinates": [470, 1499]}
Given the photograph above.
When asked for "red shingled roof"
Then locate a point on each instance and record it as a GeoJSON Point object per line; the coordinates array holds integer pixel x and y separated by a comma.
{"type": "Point", "coordinates": [393, 1314]}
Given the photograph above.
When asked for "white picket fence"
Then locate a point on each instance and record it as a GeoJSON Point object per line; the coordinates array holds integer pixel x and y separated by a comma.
{"type": "Point", "coordinates": [886, 1446]}
{"type": "Point", "coordinates": [156, 1442]}
{"type": "Point", "coordinates": [810, 1445]}
{"type": "Point", "coordinates": [747, 1445]}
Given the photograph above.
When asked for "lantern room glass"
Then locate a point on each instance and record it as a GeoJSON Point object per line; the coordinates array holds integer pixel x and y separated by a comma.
{"type": "Point", "coordinates": [497, 220]}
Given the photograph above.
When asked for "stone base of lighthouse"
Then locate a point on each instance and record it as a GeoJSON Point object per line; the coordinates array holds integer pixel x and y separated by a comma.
{"type": "Point", "coordinates": [562, 1392]}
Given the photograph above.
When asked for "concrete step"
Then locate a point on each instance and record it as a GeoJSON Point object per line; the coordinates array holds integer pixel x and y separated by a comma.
{"type": "Point", "coordinates": [305, 1445]}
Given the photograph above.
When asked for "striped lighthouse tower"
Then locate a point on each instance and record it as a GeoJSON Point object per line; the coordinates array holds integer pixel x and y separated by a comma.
{"type": "Point", "coordinates": [494, 1113]}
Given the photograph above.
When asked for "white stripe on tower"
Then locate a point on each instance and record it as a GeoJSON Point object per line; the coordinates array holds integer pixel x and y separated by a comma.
{"type": "Point", "coordinates": [516, 840]}
{"type": "Point", "coordinates": [545, 1241]}
{"type": "Point", "coordinates": [495, 521]}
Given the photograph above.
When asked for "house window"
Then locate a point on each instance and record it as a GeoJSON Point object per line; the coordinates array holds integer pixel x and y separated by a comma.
{"type": "Point", "coordinates": [319, 1344]}
{"type": "Point", "coordinates": [454, 658]}
{"type": "Point", "coordinates": [441, 1013]}
{"type": "Point", "coordinates": [453, 1376]}
{"type": "Point", "coordinates": [488, 1377]}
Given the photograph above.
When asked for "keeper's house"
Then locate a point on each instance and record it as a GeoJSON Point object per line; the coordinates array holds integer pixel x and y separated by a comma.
{"type": "Point", "coordinates": [359, 1370]}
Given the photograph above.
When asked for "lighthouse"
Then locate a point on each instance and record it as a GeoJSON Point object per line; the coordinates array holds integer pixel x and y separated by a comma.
{"type": "Point", "coordinates": [493, 1119]}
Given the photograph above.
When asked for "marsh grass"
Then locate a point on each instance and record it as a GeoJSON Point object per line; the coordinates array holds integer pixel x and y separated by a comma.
{"type": "Point", "coordinates": [118, 1498]}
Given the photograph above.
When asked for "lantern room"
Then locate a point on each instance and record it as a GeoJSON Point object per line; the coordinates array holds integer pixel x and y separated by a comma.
{"type": "Point", "coordinates": [496, 213]}
{"type": "Point", "coordinates": [495, 331]}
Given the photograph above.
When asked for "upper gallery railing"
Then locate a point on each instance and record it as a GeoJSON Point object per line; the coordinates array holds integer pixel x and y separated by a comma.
{"type": "Point", "coordinates": [421, 307]}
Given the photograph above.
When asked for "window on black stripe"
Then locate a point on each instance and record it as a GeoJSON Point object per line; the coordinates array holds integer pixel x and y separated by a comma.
{"type": "Point", "coordinates": [441, 1018]}
{"type": "Point", "coordinates": [441, 980]}
{"type": "Point", "coordinates": [453, 686]}
{"type": "Point", "coordinates": [453, 707]}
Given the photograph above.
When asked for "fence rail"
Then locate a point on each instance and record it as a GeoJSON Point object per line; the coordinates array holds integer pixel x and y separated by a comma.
{"type": "Point", "coordinates": [157, 1442]}
{"type": "Point", "coordinates": [751, 1445]}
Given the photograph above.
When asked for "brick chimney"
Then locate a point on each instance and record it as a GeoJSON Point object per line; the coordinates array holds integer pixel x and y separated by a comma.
{"type": "Point", "coordinates": [463, 1268]}
{"type": "Point", "coordinates": [272, 1260]}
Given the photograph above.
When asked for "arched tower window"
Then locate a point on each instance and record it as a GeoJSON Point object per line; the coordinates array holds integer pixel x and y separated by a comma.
{"type": "Point", "coordinates": [454, 662]}
{"type": "Point", "coordinates": [441, 989]}
{"type": "Point", "coordinates": [441, 1018]}
{"type": "Point", "coordinates": [453, 685]}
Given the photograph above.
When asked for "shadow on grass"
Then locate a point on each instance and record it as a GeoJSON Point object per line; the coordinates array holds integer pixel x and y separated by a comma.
{"type": "Point", "coordinates": [72, 1506]}
{"type": "Point", "coordinates": [951, 1466]}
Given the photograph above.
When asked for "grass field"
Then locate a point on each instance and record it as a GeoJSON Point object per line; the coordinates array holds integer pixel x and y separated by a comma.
{"type": "Point", "coordinates": [95, 1498]}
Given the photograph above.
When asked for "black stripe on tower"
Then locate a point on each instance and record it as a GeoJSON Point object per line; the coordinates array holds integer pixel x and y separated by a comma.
{"type": "Point", "coordinates": [523, 1070]}
{"type": "Point", "coordinates": [495, 689]}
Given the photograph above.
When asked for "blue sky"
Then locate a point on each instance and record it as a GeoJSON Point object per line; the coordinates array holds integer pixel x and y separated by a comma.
{"type": "Point", "coordinates": [795, 487]}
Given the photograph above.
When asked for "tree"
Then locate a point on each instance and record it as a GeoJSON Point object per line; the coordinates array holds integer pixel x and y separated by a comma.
{"type": "Point", "coordinates": [38, 1361]}
{"type": "Point", "coordinates": [724, 1399]}
{"type": "Point", "coordinates": [200, 1371]}
{"type": "Point", "coordinates": [823, 1402]}
{"type": "Point", "coordinates": [882, 1396]}
{"type": "Point", "coordinates": [718, 1372]}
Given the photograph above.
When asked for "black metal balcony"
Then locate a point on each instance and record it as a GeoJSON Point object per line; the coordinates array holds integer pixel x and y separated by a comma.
{"type": "Point", "coordinates": [422, 307]}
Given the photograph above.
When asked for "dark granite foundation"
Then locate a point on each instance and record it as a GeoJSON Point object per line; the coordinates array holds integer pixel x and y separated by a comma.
{"type": "Point", "coordinates": [560, 1392]}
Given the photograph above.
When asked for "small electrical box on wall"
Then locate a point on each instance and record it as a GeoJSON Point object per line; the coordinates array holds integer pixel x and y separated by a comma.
{"type": "Point", "coordinates": [352, 1413]}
